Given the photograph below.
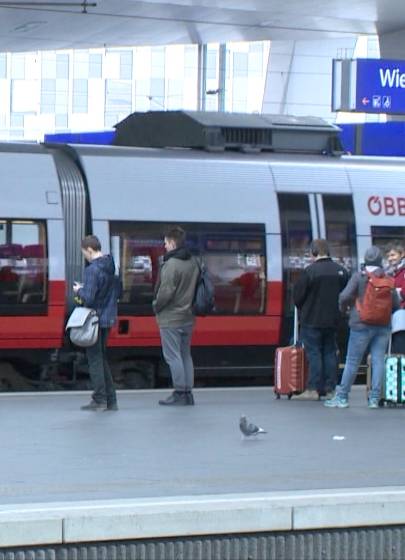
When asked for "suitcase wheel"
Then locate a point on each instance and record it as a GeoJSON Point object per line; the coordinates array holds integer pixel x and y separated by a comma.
{"type": "Point", "coordinates": [277, 395]}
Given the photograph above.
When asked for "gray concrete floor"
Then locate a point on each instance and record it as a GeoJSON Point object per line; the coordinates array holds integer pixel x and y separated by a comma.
{"type": "Point", "coordinates": [52, 451]}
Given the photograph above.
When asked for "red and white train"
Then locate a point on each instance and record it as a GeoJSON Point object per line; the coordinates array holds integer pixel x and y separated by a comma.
{"type": "Point", "coordinates": [250, 216]}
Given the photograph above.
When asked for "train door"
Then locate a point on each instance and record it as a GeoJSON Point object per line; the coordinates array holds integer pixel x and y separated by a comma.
{"type": "Point", "coordinates": [304, 217]}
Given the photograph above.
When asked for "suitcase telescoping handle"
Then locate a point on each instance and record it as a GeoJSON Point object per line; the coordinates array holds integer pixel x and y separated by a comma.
{"type": "Point", "coordinates": [295, 326]}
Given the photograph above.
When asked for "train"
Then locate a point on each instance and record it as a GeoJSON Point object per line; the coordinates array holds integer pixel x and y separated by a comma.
{"type": "Point", "coordinates": [249, 215]}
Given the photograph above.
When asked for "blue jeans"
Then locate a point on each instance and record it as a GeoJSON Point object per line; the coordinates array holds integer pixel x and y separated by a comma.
{"type": "Point", "coordinates": [100, 373]}
{"type": "Point", "coordinates": [320, 348]}
{"type": "Point", "coordinates": [374, 337]}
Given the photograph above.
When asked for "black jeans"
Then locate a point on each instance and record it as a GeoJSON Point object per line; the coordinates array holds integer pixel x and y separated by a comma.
{"type": "Point", "coordinates": [100, 373]}
{"type": "Point", "coordinates": [320, 347]}
{"type": "Point", "coordinates": [398, 343]}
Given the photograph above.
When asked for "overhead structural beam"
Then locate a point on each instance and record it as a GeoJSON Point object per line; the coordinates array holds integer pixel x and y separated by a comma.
{"type": "Point", "coordinates": [83, 5]}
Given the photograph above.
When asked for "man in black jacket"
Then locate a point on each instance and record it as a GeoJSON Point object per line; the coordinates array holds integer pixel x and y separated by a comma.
{"type": "Point", "coordinates": [316, 295]}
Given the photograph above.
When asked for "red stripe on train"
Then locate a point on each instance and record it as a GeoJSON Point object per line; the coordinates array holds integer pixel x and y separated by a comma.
{"type": "Point", "coordinates": [37, 331]}
{"type": "Point", "coordinates": [47, 331]}
{"type": "Point", "coordinates": [233, 330]}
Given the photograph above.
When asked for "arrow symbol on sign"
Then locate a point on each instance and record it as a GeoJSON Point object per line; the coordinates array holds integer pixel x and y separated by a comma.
{"type": "Point", "coordinates": [365, 101]}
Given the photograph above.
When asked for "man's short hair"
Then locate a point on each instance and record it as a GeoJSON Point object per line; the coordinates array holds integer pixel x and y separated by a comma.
{"type": "Point", "coordinates": [176, 234]}
{"type": "Point", "coordinates": [319, 248]}
{"type": "Point", "coordinates": [91, 242]}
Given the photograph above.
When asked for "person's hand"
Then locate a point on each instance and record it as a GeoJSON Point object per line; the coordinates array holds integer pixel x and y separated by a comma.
{"type": "Point", "coordinates": [77, 286]}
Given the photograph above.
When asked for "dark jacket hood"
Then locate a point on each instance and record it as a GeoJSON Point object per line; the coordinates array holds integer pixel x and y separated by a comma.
{"type": "Point", "coordinates": [105, 264]}
{"type": "Point", "coordinates": [181, 253]}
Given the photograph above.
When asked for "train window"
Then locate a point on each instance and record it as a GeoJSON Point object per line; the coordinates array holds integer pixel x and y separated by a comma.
{"type": "Point", "coordinates": [236, 261]}
{"type": "Point", "coordinates": [140, 250]}
{"type": "Point", "coordinates": [382, 236]}
{"type": "Point", "coordinates": [296, 235]}
{"type": "Point", "coordinates": [233, 253]}
{"type": "Point", "coordinates": [23, 267]}
{"type": "Point", "coordinates": [340, 229]}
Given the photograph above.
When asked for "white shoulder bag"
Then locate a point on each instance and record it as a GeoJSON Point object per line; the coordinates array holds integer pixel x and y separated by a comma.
{"type": "Point", "coordinates": [83, 326]}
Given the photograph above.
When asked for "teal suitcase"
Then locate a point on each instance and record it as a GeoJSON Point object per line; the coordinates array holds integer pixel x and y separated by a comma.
{"type": "Point", "coordinates": [393, 389]}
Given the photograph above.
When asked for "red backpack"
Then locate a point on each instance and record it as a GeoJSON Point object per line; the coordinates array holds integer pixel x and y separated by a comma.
{"type": "Point", "coordinates": [376, 305]}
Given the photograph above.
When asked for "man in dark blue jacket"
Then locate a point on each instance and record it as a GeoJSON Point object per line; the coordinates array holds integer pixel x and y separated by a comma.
{"type": "Point", "coordinates": [99, 291]}
{"type": "Point", "coordinates": [316, 295]}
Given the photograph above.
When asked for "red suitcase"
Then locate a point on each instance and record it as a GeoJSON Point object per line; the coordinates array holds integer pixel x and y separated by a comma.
{"type": "Point", "coordinates": [290, 367]}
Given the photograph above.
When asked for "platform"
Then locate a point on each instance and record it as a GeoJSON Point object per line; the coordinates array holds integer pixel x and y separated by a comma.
{"type": "Point", "coordinates": [82, 469]}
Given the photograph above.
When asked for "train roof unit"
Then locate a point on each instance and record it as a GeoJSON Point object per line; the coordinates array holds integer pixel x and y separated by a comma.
{"type": "Point", "coordinates": [217, 131]}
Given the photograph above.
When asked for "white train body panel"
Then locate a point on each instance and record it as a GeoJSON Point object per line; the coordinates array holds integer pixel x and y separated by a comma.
{"type": "Point", "coordinates": [179, 189]}
{"type": "Point", "coordinates": [378, 188]}
{"type": "Point", "coordinates": [29, 186]}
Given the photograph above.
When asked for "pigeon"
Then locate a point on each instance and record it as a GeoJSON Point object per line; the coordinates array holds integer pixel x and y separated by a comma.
{"type": "Point", "coordinates": [248, 428]}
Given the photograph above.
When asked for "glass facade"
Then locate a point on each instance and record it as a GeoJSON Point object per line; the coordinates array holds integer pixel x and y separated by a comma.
{"type": "Point", "coordinates": [85, 90]}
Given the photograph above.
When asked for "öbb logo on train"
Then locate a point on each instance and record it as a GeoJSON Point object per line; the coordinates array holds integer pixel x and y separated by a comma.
{"type": "Point", "coordinates": [388, 205]}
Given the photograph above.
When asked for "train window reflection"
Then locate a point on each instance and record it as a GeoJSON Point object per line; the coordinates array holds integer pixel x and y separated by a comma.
{"type": "Point", "coordinates": [233, 253]}
{"type": "Point", "coordinates": [23, 265]}
{"type": "Point", "coordinates": [341, 229]}
{"type": "Point", "coordinates": [296, 235]}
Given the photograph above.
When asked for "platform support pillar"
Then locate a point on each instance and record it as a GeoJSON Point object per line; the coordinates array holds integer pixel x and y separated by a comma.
{"type": "Point", "coordinates": [202, 77]}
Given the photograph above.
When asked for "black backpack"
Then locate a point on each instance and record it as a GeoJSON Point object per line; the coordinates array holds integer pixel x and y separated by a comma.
{"type": "Point", "coordinates": [204, 297]}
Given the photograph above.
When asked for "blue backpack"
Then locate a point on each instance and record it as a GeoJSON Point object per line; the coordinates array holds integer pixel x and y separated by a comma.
{"type": "Point", "coordinates": [204, 297]}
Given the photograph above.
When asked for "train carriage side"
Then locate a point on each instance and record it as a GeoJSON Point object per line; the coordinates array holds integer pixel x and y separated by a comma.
{"type": "Point", "coordinates": [250, 217]}
{"type": "Point", "coordinates": [378, 186]}
{"type": "Point", "coordinates": [228, 206]}
{"type": "Point", "coordinates": [32, 254]}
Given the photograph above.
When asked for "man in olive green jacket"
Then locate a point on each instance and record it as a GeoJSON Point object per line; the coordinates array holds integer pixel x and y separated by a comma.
{"type": "Point", "coordinates": [172, 305]}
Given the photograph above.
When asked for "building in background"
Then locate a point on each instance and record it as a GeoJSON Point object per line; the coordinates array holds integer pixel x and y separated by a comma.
{"type": "Point", "coordinates": [55, 91]}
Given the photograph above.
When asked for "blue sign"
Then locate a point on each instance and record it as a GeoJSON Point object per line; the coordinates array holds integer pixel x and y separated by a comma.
{"type": "Point", "coordinates": [380, 86]}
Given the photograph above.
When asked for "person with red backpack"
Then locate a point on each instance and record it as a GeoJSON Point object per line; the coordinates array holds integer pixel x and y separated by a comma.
{"type": "Point", "coordinates": [372, 297]}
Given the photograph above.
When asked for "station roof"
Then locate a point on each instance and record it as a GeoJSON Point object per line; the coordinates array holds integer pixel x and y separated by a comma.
{"type": "Point", "coordinates": [61, 24]}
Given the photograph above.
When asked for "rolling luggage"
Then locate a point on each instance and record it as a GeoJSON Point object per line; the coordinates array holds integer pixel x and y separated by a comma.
{"type": "Point", "coordinates": [290, 367]}
{"type": "Point", "coordinates": [393, 382]}
{"type": "Point", "coordinates": [393, 386]}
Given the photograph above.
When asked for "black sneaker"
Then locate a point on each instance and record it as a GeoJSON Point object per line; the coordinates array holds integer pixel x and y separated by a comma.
{"type": "Point", "coordinates": [190, 398]}
{"type": "Point", "coordinates": [112, 406]}
{"type": "Point", "coordinates": [177, 398]}
{"type": "Point", "coordinates": [93, 405]}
